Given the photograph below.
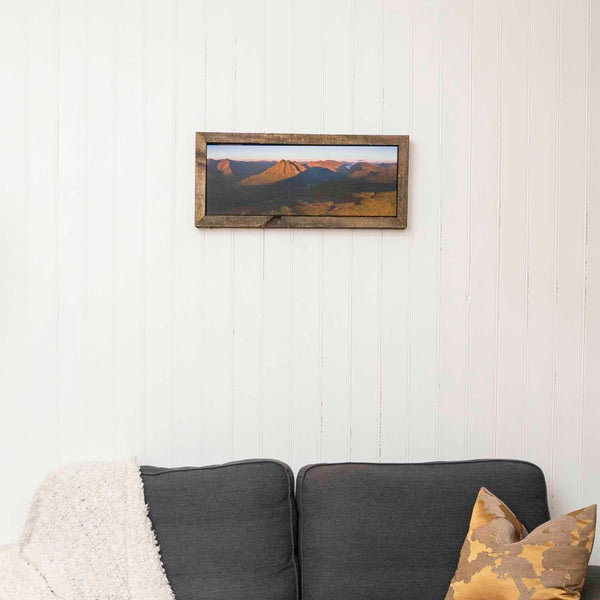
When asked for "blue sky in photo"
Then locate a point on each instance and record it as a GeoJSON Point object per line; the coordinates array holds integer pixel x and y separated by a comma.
{"type": "Point", "coordinates": [302, 153]}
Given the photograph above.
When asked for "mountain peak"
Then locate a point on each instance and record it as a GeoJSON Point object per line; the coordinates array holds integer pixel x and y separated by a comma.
{"type": "Point", "coordinates": [224, 166]}
{"type": "Point", "coordinates": [283, 169]}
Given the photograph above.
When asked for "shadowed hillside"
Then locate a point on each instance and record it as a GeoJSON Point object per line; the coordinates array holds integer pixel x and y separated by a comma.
{"type": "Point", "coordinates": [288, 187]}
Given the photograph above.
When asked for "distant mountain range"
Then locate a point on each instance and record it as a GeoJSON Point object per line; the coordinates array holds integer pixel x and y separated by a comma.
{"type": "Point", "coordinates": [305, 174]}
{"type": "Point", "coordinates": [299, 187]}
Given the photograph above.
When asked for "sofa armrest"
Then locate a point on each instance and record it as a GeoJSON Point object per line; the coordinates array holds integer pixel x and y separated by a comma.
{"type": "Point", "coordinates": [591, 589]}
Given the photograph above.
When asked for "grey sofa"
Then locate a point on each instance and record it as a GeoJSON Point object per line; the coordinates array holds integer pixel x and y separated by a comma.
{"type": "Point", "coordinates": [350, 531]}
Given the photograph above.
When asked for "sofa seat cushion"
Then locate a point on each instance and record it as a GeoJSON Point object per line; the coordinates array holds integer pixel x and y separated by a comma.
{"type": "Point", "coordinates": [394, 531]}
{"type": "Point", "coordinates": [225, 532]}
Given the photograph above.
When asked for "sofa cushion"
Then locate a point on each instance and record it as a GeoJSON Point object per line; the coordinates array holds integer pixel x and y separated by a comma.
{"type": "Point", "coordinates": [225, 532]}
{"type": "Point", "coordinates": [390, 531]}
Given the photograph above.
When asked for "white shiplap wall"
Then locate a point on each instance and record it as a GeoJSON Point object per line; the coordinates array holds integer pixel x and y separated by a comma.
{"type": "Point", "coordinates": [124, 330]}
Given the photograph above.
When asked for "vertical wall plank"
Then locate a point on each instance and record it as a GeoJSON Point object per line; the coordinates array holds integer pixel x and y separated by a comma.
{"type": "Point", "coordinates": [246, 343]}
{"type": "Point", "coordinates": [590, 485]}
{"type": "Point", "coordinates": [188, 97]}
{"type": "Point", "coordinates": [307, 70]}
{"type": "Point", "coordinates": [216, 438]}
{"type": "Point", "coordinates": [217, 392]}
{"type": "Point", "coordinates": [512, 275]}
{"type": "Point", "coordinates": [276, 367]}
{"type": "Point", "coordinates": [365, 372]}
{"type": "Point", "coordinates": [72, 226]}
{"type": "Point", "coordinates": [42, 131]}
{"type": "Point", "coordinates": [393, 310]}
{"type": "Point", "coordinates": [306, 352]}
{"type": "Point", "coordinates": [158, 217]}
{"type": "Point", "coordinates": [454, 246]}
{"type": "Point", "coordinates": [250, 21]}
{"type": "Point", "coordinates": [336, 277]}
{"type": "Point", "coordinates": [278, 44]}
{"type": "Point", "coordinates": [14, 209]}
{"type": "Point", "coordinates": [217, 398]}
{"type": "Point", "coordinates": [542, 193]}
{"type": "Point", "coordinates": [219, 65]}
{"type": "Point", "coordinates": [482, 321]}
{"type": "Point", "coordinates": [307, 245]}
{"type": "Point", "coordinates": [129, 208]}
{"type": "Point", "coordinates": [275, 355]}
{"type": "Point", "coordinates": [424, 224]}
{"type": "Point", "coordinates": [572, 123]}
{"type": "Point", "coordinates": [100, 188]}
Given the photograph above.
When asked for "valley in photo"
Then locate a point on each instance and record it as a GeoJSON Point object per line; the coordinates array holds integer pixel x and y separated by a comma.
{"type": "Point", "coordinates": [302, 180]}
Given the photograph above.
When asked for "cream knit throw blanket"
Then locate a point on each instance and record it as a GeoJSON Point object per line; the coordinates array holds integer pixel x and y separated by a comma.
{"type": "Point", "coordinates": [87, 537]}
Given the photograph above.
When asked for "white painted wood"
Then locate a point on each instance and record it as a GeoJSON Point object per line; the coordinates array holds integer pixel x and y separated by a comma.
{"type": "Point", "coordinates": [217, 377]}
{"type": "Point", "coordinates": [276, 367]}
{"type": "Point", "coordinates": [277, 41]}
{"type": "Point", "coordinates": [335, 315]}
{"type": "Point", "coordinates": [247, 256]}
{"type": "Point", "coordinates": [393, 297]}
{"type": "Point", "coordinates": [454, 233]}
{"type": "Point", "coordinates": [14, 208]}
{"type": "Point", "coordinates": [424, 223]}
{"type": "Point", "coordinates": [219, 248]}
{"type": "Point", "coordinates": [275, 342]}
{"type": "Point", "coordinates": [130, 174]}
{"type": "Point", "coordinates": [219, 73]}
{"type": "Point", "coordinates": [100, 192]}
{"type": "Point", "coordinates": [187, 307]}
{"type": "Point", "coordinates": [365, 360]}
{"type": "Point", "coordinates": [158, 234]}
{"type": "Point", "coordinates": [541, 252]}
{"type": "Point", "coordinates": [307, 46]}
{"type": "Point", "coordinates": [513, 215]}
{"type": "Point", "coordinates": [570, 239]}
{"type": "Point", "coordinates": [307, 275]}
{"type": "Point", "coordinates": [483, 237]}
{"type": "Point", "coordinates": [126, 331]}
{"type": "Point", "coordinates": [71, 228]}
{"type": "Point", "coordinates": [249, 115]}
{"type": "Point", "coordinates": [41, 384]}
{"type": "Point", "coordinates": [306, 346]}
{"type": "Point", "coordinates": [338, 66]}
{"type": "Point", "coordinates": [590, 485]}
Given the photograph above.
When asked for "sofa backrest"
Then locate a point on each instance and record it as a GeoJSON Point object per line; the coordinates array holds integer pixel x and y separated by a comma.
{"type": "Point", "coordinates": [226, 532]}
{"type": "Point", "coordinates": [394, 531]}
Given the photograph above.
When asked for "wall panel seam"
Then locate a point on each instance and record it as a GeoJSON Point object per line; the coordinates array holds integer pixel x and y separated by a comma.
{"type": "Point", "coordinates": [585, 247]}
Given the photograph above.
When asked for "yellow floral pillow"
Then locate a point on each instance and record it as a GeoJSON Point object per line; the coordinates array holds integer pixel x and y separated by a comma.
{"type": "Point", "coordinates": [500, 561]}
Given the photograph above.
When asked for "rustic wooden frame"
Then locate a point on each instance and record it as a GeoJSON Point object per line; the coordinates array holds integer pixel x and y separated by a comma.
{"type": "Point", "coordinates": [283, 221]}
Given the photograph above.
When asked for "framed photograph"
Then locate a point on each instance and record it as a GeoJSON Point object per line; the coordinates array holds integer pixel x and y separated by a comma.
{"type": "Point", "coordinates": [293, 180]}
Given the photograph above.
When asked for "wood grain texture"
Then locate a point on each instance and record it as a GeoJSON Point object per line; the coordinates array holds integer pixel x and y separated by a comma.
{"type": "Point", "coordinates": [279, 222]}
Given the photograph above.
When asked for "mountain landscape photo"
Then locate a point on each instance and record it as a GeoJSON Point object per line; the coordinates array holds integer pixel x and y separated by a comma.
{"type": "Point", "coordinates": [253, 179]}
